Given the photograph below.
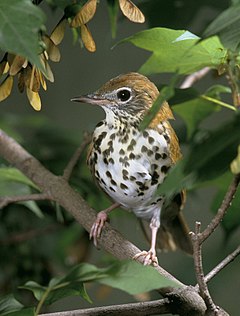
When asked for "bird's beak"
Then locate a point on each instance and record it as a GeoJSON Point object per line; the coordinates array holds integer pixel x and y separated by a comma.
{"type": "Point", "coordinates": [91, 99]}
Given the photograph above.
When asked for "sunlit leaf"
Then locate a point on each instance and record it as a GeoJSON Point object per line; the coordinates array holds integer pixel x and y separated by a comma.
{"type": "Point", "coordinates": [184, 56]}
{"type": "Point", "coordinates": [20, 23]}
{"type": "Point", "coordinates": [87, 39]}
{"type": "Point", "coordinates": [52, 49]}
{"type": "Point", "coordinates": [6, 88]}
{"type": "Point", "coordinates": [85, 14]}
{"type": "Point", "coordinates": [34, 99]}
{"type": "Point", "coordinates": [16, 65]}
{"type": "Point", "coordinates": [131, 11]}
{"type": "Point", "coordinates": [235, 164]}
{"type": "Point", "coordinates": [58, 32]}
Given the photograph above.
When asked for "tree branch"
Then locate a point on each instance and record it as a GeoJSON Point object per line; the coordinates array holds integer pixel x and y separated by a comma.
{"type": "Point", "coordinates": [197, 255]}
{"type": "Point", "coordinates": [4, 201]}
{"type": "Point", "coordinates": [132, 309]}
{"type": "Point", "coordinates": [73, 161]}
{"type": "Point", "coordinates": [191, 79]}
{"type": "Point", "coordinates": [222, 264]}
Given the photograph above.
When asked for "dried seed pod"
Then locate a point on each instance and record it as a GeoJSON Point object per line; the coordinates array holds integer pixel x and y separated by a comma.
{"type": "Point", "coordinates": [34, 99]}
{"type": "Point", "coordinates": [85, 14]}
{"type": "Point", "coordinates": [6, 88]}
{"type": "Point", "coordinates": [52, 50]}
{"type": "Point", "coordinates": [17, 64]}
{"type": "Point", "coordinates": [59, 31]}
{"type": "Point", "coordinates": [131, 11]}
{"type": "Point", "coordinates": [88, 39]}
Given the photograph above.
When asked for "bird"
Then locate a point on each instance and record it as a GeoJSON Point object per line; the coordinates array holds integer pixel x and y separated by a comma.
{"type": "Point", "coordinates": [129, 164]}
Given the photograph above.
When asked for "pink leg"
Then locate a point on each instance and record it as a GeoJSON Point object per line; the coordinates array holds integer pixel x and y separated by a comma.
{"type": "Point", "coordinates": [150, 256]}
{"type": "Point", "coordinates": [97, 226]}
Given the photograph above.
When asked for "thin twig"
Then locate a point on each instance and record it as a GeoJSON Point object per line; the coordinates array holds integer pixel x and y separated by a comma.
{"type": "Point", "coordinates": [4, 201]}
{"type": "Point", "coordinates": [132, 309]}
{"type": "Point", "coordinates": [27, 235]}
{"type": "Point", "coordinates": [191, 79]}
{"type": "Point", "coordinates": [73, 161]}
{"type": "Point", "coordinates": [197, 255]}
{"type": "Point", "coordinates": [222, 209]}
{"type": "Point", "coordinates": [222, 264]}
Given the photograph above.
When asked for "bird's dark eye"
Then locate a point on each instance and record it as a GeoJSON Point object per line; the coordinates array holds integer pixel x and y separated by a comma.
{"type": "Point", "coordinates": [124, 95]}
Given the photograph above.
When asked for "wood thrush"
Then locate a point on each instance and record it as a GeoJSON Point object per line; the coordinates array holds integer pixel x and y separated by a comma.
{"type": "Point", "coordinates": [129, 164]}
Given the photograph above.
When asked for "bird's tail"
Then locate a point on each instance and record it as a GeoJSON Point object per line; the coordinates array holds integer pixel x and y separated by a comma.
{"type": "Point", "coordinates": [173, 232]}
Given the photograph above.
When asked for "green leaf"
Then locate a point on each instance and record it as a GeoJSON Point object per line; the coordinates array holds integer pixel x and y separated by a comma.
{"type": "Point", "coordinates": [194, 111]}
{"type": "Point", "coordinates": [13, 182]}
{"type": "Point", "coordinates": [211, 156]}
{"type": "Point", "coordinates": [177, 51]}
{"type": "Point", "coordinates": [9, 304]}
{"type": "Point", "coordinates": [69, 285]}
{"type": "Point", "coordinates": [134, 278]}
{"type": "Point", "coordinates": [13, 174]}
{"type": "Point", "coordinates": [28, 311]}
{"type": "Point", "coordinates": [20, 23]}
{"type": "Point", "coordinates": [227, 27]}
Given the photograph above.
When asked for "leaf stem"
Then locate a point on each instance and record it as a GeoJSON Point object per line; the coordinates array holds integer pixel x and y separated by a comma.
{"type": "Point", "coordinates": [42, 300]}
{"type": "Point", "coordinates": [226, 105]}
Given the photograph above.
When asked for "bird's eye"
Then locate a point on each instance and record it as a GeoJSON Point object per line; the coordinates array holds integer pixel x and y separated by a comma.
{"type": "Point", "coordinates": [124, 95]}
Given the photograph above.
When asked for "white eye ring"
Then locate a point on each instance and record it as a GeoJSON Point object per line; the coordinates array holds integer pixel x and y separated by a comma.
{"type": "Point", "coordinates": [124, 94]}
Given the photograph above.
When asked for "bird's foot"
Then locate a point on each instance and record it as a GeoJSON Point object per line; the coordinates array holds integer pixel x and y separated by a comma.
{"type": "Point", "coordinates": [150, 257]}
{"type": "Point", "coordinates": [97, 226]}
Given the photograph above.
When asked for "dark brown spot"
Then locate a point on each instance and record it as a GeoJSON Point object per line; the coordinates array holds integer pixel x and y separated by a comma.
{"type": "Point", "coordinates": [132, 178]}
{"type": "Point", "coordinates": [121, 152]}
{"type": "Point", "coordinates": [99, 124]}
{"type": "Point", "coordinates": [123, 186]}
{"type": "Point", "coordinates": [165, 169]}
{"type": "Point", "coordinates": [112, 189]}
{"type": "Point", "coordinates": [155, 148]}
{"type": "Point", "coordinates": [139, 183]}
{"type": "Point", "coordinates": [145, 134]}
{"type": "Point", "coordinates": [125, 172]}
{"type": "Point", "coordinates": [166, 137]}
{"type": "Point", "coordinates": [113, 136]}
{"type": "Point", "coordinates": [157, 156]}
{"type": "Point", "coordinates": [140, 194]}
{"type": "Point", "coordinates": [111, 161]}
{"type": "Point", "coordinates": [149, 152]}
{"type": "Point", "coordinates": [108, 174]}
{"type": "Point", "coordinates": [150, 140]}
{"type": "Point", "coordinates": [164, 156]}
{"type": "Point", "coordinates": [132, 156]}
{"type": "Point", "coordinates": [113, 182]}
{"type": "Point", "coordinates": [144, 149]}
{"type": "Point", "coordinates": [105, 161]}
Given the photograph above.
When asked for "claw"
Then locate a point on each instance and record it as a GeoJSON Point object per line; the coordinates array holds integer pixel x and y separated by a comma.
{"type": "Point", "coordinates": [97, 226]}
{"type": "Point", "coordinates": [150, 257]}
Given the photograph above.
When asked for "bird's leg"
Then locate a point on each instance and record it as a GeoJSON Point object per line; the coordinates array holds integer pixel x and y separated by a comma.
{"type": "Point", "coordinates": [150, 256]}
{"type": "Point", "coordinates": [97, 226]}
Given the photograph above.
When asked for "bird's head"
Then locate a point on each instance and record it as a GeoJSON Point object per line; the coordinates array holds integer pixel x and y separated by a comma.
{"type": "Point", "coordinates": [128, 96]}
